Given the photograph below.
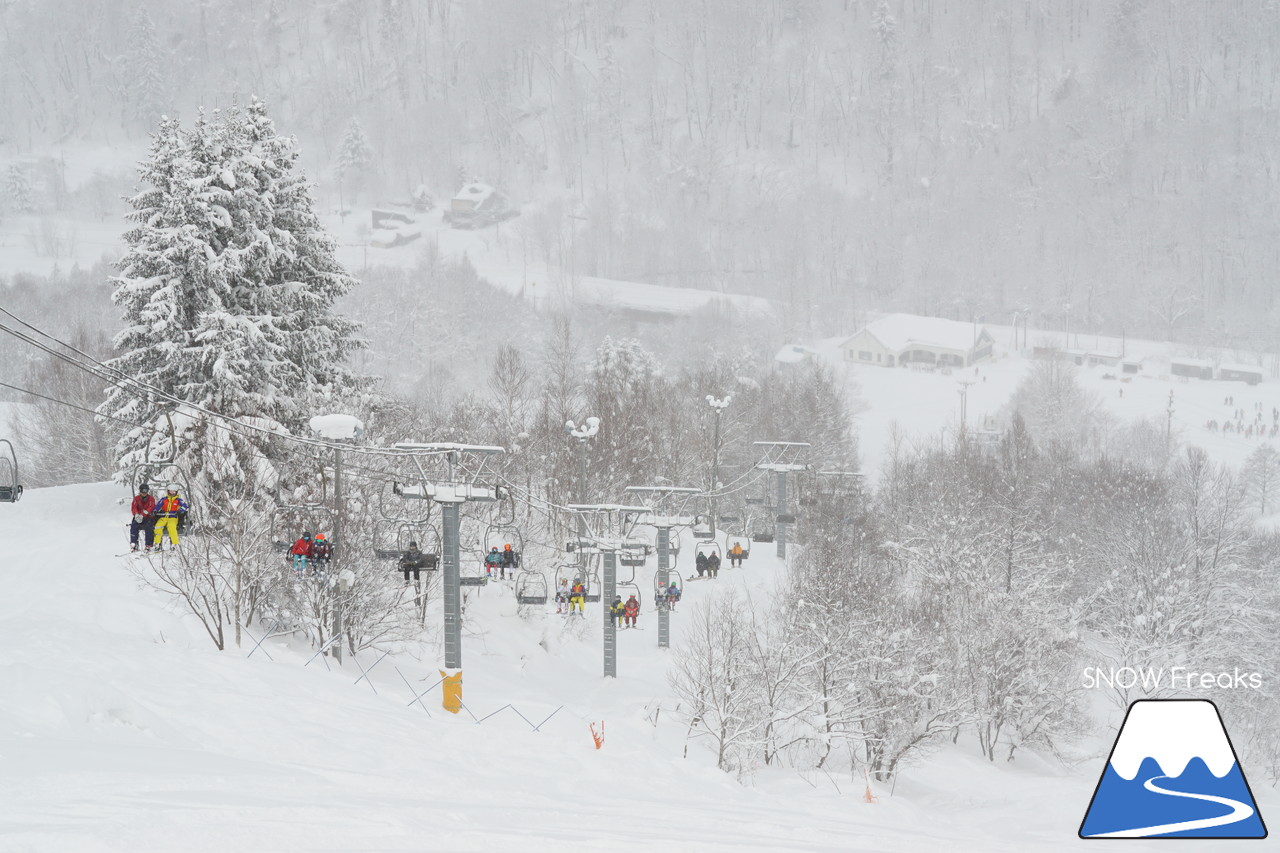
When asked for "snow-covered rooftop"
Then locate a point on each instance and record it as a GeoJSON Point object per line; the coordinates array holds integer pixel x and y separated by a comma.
{"type": "Point", "coordinates": [337, 427]}
{"type": "Point", "coordinates": [1241, 368]}
{"type": "Point", "coordinates": [899, 331]}
{"type": "Point", "coordinates": [793, 353]}
{"type": "Point", "coordinates": [1191, 362]}
{"type": "Point", "coordinates": [475, 192]}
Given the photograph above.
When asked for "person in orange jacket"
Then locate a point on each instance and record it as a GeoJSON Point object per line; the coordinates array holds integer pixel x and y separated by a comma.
{"type": "Point", "coordinates": [631, 610]}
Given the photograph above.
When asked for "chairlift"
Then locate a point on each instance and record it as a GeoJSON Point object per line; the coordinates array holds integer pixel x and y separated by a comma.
{"type": "Point", "coordinates": [391, 539]}
{"type": "Point", "coordinates": [505, 518]}
{"type": "Point", "coordinates": [401, 510]}
{"type": "Point", "coordinates": [708, 548]}
{"type": "Point", "coordinates": [662, 581]}
{"type": "Point", "coordinates": [635, 550]}
{"type": "Point", "coordinates": [702, 528]}
{"type": "Point", "coordinates": [501, 535]}
{"type": "Point", "coordinates": [10, 488]}
{"type": "Point", "coordinates": [290, 521]}
{"type": "Point", "coordinates": [531, 587]}
{"type": "Point", "coordinates": [591, 580]}
{"type": "Point", "coordinates": [744, 541]}
{"type": "Point", "coordinates": [472, 573]}
{"type": "Point", "coordinates": [623, 589]}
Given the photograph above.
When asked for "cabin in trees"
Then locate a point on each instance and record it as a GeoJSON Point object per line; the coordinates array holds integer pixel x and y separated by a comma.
{"type": "Point", "coordinates": [477, 205]}
{"type": "Point", "coordinates": [905, 340]}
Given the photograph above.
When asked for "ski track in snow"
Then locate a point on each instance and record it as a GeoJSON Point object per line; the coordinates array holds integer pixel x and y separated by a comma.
{"type": "Point", "coordinates": [1239, 811]}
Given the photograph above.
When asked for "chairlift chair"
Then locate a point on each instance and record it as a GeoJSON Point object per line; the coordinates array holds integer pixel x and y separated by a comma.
{"type": "Point", "coordinates": [531, 587]}
{"type": "Point", "coordinates": [10, 488]}
{"type": "Point", "coordinates": [472, 573]}
{"type": "Point", "coordinates": [744, 541]}
{"type": "Point", "coordinates": [635, 551]}
{"type": "Point", "coordinates": [391, 539]}
{"type": "Point", "coordinates": [591, 580]}
{"type": "Point", "coordinates": [500, 535]}
{"type": "Point", "coordinates": [702, 528]}
{"type": "Point", "coordinates": [412, 511]}
{"type": "Point", "coordinates": [623, 589]}
{"type": "Point", "coordinates": [289, 521]}
{"type": "Point", "coordinates": [662, 580]}
{"type": "Point", "coordinates": [708, 548]}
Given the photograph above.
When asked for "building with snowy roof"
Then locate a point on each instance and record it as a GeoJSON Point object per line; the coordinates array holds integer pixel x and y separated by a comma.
{"type": "Point", "coordinates": [907, 339]}
{"type": "Point", "coordinates": [1232, 372]}
{"type": "Point", "coordinates": [792, 354]}
{"type": "Point", "coordinates": [477, 205]}
{"type": "Point", "coordinates": [1194, 368]}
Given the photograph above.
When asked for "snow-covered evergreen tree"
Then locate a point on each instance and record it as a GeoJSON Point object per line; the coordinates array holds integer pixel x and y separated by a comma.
{"type": "Point", "coordinates": [227, 289]}
{"type": "Point", "coordinates": [145, 88]}
{"type": "Point", "coordinates": [355, 159]}
{"type": "Point", "coordinates": [17, 190]}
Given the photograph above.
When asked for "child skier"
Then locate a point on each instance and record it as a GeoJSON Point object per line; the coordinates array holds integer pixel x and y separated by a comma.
{"type": "Point", "coordinates": [673, 595]}
{"type": "Point", "coordinates": [492, 561]}
{"type": "Point", "coordinates": [301, 550]}
{"type": "Point", "coordinates": [578, 597]}
{"type": "Point", "coordinates": [171, 506]}
{"type": "Point", "coordinates": [631, 610]}
{"type": "Point", "coordinates": [143, 509]}
{"type": "Point", "coordinates": [562, 596]}
{"type": "Point", "coordinates": [616, 609]}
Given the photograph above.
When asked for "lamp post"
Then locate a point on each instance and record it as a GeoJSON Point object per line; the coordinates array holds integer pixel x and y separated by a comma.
{"type": "Point", "coordinates": [718, 406]}
{"type": "Point", "coordinates": [582, 433]}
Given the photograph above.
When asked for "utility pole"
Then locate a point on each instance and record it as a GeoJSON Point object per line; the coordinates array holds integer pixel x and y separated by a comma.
{"type": "Point", "coordinates": [718, 406]}
{"type": "Point", "coordinates": [1168, 426]}
{"type": "Point", "coordinates": [340, 429]}
{"type": "Point", "coordinates": [780, 535]}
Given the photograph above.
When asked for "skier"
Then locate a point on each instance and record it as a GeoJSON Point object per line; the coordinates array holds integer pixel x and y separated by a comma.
{"type": "Point", "coordinates": [616, 609]}
{"type": "Point", "coordinates": [413, 560]}
{"type": "Point", "coordinates": [301, 550]}
{"type": "Point", "coordinates": [701, 563]}
{"type": "Point", "coordinates": [562, 595]}
{"type": "Point", "coordinates": [578, 597]}
{"type": "Point", "coordinates": [143, 509]}
{"type": "Point", "coordinates": [170, 508]}
{"type": "Point", "coordinates": [510, 561]}
{"type": "Point", "coordinates": [673, 595]}
{"type": "Point", "coordinates": [492, 561]}
{"type": "Point", "coordinates": [713, 565]}
{"type": "Point", "coordinates": [735, 555]}
{"type": "Point", "coordinates": [321, 551]}
{"type": "Point", "coordinates": [631, 610]}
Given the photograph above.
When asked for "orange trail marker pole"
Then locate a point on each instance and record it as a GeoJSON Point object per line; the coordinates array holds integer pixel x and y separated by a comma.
{"type": "Point", "coordinates": [598, 738]}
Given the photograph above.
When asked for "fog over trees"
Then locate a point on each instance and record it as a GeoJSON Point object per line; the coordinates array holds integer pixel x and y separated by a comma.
{"type": "Point", "coordinates": [1109, 161]}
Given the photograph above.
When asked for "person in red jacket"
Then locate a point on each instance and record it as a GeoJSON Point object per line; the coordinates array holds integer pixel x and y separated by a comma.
{"type": "Point", "coordinates": [301, 550]}
{"type": "Point", "coordinates": [143, 509]}
{"type": "Point", "coordinates": [630, 611]}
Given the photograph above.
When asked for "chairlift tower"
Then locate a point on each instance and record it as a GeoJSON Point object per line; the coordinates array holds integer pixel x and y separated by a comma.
{"type": "Point", "coordinates": [782, 458]}
{"type": "Point", "coordinates": [718, 405]}
{"type": "Point", "coordinates": [608, 546]}
{"type": "Point", "coordinates": [666, 498]}
{"type": "Point", "coordinates": [465, 465]}
{"type": "Point", "coordinates": [339, 430]}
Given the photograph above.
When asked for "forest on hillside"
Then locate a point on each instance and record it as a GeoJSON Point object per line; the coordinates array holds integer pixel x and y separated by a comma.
{"type": "Point", "coordinates": [1104, 163]}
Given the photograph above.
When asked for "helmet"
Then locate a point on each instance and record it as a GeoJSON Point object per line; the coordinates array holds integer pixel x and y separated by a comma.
{"type": "Point", "coordinates": [144, 488]}
{"type": "Point", "coordinates": [413, 544]}
{"type": "Point", "coordinates": [494, 548]}
{"type": "Point", "coordinates": [306, 534]}
{"type": "Point", "coordinates": [319, 537]}
{"type": "Point", "coordinates": [507, 547]}
{"type": "Point", "coordinates": [173, 487]}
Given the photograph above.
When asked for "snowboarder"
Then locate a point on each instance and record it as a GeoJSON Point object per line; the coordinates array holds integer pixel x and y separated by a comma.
{"type": "Point", "coordinates": [143, 509]}
{"type": "Point", "coordinates": [492, 561]}
{"type": "Point", "coordinates": [735, 555]}
{"type": "Point", "coordinates": [170, 508]}
{"type": "Point", "coordinates": [713, 565]}
{"type": "Point", "coordinates": [578, 597]}
{"type": "Point", "coordinates": [413, 560]}
{"type": "Point", "coordinates": [616, 609]}
{"type": "Point", "coordinates": [301, 550]}
{"type": "Point", "coordinates": [510, 561]}
{"type": "Point", "coordinates": [631, 610]}
{"type": "Point", "coordinates": [701, 563]}
{"type": "Point", "coordinates": [562, 595]}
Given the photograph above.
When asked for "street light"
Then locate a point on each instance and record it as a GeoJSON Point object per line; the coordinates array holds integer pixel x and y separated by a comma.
{"type": "Point", "coordinates": [718, 405]}
{"type": "Point", "coordinates": [587, 430]}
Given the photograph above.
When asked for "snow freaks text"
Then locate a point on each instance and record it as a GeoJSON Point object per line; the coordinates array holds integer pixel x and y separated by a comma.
{"type": "Point", "coordinates": [1173, 678]}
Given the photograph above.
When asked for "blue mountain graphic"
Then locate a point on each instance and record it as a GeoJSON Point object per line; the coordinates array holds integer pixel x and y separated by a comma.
{"type": "Point", "coordinates": [1121, 804]}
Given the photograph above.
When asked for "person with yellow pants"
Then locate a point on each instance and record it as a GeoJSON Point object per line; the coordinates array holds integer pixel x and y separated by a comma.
{"type": "Point", "coordinates": [171, 506]}
{"type": "Point", "coordinates": [577, 597]}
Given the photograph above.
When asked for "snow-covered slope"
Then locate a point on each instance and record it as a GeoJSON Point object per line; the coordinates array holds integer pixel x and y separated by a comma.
{"type": "Point", "coordinates": [121, 728]}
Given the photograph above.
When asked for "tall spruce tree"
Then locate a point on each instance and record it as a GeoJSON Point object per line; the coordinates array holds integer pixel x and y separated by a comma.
{"type": "Point", "coordinates": [227, 290]}
{"type": "Point", "coordinates": [354, 162]}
